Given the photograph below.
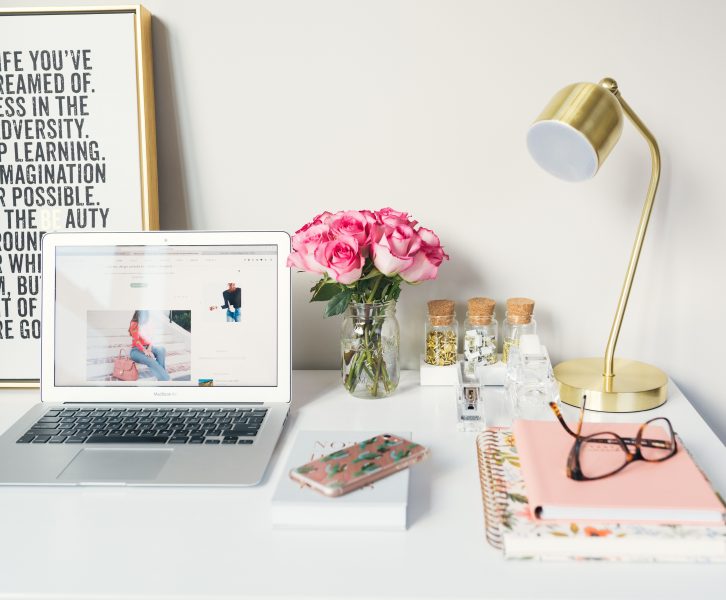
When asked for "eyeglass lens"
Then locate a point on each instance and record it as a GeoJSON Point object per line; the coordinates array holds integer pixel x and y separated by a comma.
{"type": "Point", "coordinates": [601, 455]}
{"type": "Point", "coordinates": [658, 440]}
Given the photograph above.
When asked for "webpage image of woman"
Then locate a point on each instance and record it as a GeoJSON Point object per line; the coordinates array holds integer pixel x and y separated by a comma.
{"type": "Point", "coordinates": [232, 298]}
{"type": "Point", "coordinates": [143, 352]}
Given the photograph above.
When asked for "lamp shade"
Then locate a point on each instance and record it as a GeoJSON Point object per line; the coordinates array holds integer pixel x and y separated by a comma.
{"type": "Point", "coordinates": [576, 131]}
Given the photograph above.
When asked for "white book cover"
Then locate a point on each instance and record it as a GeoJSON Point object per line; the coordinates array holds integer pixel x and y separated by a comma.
{"type": "Point", "coordinates": [379, 506]}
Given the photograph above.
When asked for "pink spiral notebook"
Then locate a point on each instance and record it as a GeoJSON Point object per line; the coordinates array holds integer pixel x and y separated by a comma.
{"type": "Point", "coordinates": [673, 491]}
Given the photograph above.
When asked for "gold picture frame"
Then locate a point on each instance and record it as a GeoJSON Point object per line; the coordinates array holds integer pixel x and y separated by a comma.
{"type": "Point", "coordinates": [46, 36]}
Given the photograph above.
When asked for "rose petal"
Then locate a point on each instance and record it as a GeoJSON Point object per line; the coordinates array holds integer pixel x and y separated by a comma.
{"type": "Point", "coordinates": [386, 262]}
{"type": "Point", "coordinates": [421, 269]}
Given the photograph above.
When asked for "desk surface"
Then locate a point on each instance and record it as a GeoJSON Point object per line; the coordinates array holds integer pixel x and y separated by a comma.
{"type": "Point", "coordinates": [199, 543]}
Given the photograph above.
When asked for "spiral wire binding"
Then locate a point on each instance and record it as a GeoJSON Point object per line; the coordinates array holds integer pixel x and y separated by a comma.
{"type": "Point", "coordinates": [493, 486]}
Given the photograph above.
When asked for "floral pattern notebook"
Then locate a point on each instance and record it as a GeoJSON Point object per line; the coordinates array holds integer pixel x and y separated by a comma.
{"type": "Point", "coordinates": [510, 528]}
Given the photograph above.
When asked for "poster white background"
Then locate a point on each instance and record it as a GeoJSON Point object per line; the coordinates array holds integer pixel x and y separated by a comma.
{"type": "Point", "coordinates": [109, 82]}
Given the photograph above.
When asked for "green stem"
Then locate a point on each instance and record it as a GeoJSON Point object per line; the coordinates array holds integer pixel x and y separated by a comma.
{"type": "Point", "coordinates": [378, 370]}
{"type": "Point", "coordinates": [374, 289]}
{"type": "Point", "coordinates": [351, 374]}
{"type": "Point", "coordinates": [386, 377]}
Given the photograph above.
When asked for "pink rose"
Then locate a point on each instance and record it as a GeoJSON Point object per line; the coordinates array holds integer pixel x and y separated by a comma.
{"type": "Point", "coordinates": [341, 259]}
{"type": "Point", "coordinates": [390, 216]}
{"type": "Point", "coordinates": [304, 243]}
{"type": "Point", "coordinates": [351, 223]}
{"type": "Point", "coordinates": [395, 248]}
{"type": "Point", "coordinates": [369, 215]}
{"type": "Point", "coordinates": [426, 262]}
{"type": "Point", "coordinates": [322, 217]}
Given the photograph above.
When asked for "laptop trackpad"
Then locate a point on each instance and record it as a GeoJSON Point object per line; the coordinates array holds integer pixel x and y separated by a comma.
{"type": "Point", "coordinates": [99, 464]}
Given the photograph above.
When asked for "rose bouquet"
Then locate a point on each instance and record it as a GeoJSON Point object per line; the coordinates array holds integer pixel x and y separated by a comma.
{"type": "Point", "coordinates": [364, 257]}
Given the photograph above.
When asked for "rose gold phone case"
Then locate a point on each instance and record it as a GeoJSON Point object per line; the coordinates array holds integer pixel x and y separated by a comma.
{"type": "Point", "coordinates": [358, 465]}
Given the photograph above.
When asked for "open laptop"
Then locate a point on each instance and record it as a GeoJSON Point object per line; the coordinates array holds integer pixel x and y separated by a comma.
{"type": "Point", "coordinates": [165, 360]}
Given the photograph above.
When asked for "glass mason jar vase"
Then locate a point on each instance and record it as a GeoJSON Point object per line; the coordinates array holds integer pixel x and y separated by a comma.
{"type": "Point", "coordinates": [369, 344]}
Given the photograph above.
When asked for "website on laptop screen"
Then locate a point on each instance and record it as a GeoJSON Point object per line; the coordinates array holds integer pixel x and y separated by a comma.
{"type": "Point", "coordinates": [166, 316]}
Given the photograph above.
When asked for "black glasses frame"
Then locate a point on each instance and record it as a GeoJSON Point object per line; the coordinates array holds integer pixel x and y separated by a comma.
{"type": "Point", "coordinates": [574, 469]}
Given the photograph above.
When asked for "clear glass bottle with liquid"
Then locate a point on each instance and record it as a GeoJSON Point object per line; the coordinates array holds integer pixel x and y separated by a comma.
{"type": "Point", "coordinates": [480, 334]}
{"type": "Point", "coordinates": [441, 333]}
{"type": "Point", "coordinates": [518, 322]}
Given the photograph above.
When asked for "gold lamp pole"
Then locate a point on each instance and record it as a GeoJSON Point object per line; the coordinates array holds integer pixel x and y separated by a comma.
{"type": "Point", "coordinates": [571, 139]}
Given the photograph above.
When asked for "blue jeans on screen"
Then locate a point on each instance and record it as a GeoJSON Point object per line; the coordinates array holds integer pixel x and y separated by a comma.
{"type": "Point", "coordinates": [156, 364]}
{"type": "Point", "coordinates": [233, 315]}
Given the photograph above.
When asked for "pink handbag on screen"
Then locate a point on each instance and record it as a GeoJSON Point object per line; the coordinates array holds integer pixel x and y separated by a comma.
{"type": "Point", "coordinates": [124, 369]}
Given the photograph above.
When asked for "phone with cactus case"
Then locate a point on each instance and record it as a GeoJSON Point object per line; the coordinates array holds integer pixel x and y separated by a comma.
{"type": "Point", "coordinates": [358, 465]}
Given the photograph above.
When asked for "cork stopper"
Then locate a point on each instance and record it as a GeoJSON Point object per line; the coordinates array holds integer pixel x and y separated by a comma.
{"type": "Point", "coordinates": [441, 312]}
{"type": "Point", "coordinates": [481, 310]}
{"type": "Point", "coordinates": [519, 310]}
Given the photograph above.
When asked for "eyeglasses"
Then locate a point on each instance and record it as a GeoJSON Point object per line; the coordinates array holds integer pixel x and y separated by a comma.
{"type": "Point", "coordinates": [603, 454]}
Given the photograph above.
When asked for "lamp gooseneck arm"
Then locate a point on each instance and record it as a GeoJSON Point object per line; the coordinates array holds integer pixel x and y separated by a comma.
{"type": "Point", "coordinates": [642, 226]}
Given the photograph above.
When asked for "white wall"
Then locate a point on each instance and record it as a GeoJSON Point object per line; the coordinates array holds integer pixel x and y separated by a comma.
{"type": "Point", "coordinates": [271, 111]}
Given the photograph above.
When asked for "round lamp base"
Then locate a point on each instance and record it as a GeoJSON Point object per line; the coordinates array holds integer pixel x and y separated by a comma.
{"type": "Point", "coordinates": [636, 386]}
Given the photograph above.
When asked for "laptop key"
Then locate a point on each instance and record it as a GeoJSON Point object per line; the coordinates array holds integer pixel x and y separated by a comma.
{"type": "Point", "coordinates": [57, 439]}
{"type": "Point", "coordinates": [118, 439]}
{"type": "Point", "coordinates": [75, 439]}
{"type": "Point", "coordinates": [238, 428]}
{"type": "Point", "coordinates": [41, 439]}
{"type": "Point", "coordinates": [44, 426]}
{"type": "Point", "coordinates": [178, 440]}
{"type": "Point", "coordinates": [244, 442]}
{"type": "Point", "coordinates": [211, 441]}
{"type": "Point", "coordinates": [48, 432]}
{"type": "Point", "coordinates": [50, 420]}
{"type": "Point", "coordinates": [26, 439]}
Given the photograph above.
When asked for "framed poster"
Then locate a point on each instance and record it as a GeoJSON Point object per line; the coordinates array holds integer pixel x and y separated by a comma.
{"type": "Point", "coordinates": [77, 149]}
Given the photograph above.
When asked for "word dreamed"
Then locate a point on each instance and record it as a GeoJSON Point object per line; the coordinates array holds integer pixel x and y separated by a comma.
{"type": "Point", "coordinates": [51, 169]}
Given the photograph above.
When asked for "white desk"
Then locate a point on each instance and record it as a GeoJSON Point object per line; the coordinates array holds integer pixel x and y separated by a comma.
{"type": "Point", "coordinates": [177, 543]}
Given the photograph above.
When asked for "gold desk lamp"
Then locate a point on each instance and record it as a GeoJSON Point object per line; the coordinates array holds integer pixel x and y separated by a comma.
{"type": "Point", "coordinates": [571, 139]}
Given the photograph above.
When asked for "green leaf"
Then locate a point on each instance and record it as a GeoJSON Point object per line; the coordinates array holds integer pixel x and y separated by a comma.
{"type": "Point", "coordinates": [335, 455]}
{"type": "Point", "coordinates": [339, 303]}
{"type": "Point", "coordinates": [325, 290]}
{"type": "Point", "coordinates": [366, 468]}
{"type": "Point", "coordinates": [367, 442]}
{"type": "Point", "coordinates": [333, 469]}
{"type": "Point", "coordinates": [373, 273]}
{"type": "Point", "coordinates": [367, 456]}
{"type": "Point", "coordinates": [518, 498]}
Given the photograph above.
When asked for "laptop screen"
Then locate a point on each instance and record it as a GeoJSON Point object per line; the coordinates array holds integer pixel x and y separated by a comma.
{"type": "Point", "coordinates": [166, 315]}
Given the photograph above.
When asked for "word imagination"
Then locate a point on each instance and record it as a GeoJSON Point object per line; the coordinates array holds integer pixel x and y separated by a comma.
{"type": "Point", "coordinates": [52, 170]}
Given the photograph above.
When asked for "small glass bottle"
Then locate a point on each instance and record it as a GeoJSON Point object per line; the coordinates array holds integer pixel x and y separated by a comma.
{"type": "Point", "coordinates": [480, 334]}
{"type": "Point", "coordinates": [518, 322]}
{"type": "Point", "coordinates": [441, 334]}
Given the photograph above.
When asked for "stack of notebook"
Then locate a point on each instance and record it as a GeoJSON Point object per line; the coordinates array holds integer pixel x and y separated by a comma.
{"type": "Point", "coordinates": [647, 512]}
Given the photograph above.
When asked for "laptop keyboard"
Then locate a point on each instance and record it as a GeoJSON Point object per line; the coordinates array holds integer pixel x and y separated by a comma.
{"type": "Point", "coordinates": [146, 426]}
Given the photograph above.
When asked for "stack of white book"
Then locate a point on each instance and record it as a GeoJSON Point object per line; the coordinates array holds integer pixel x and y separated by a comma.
{"type": "Point", "coordinates": [379, 506]}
